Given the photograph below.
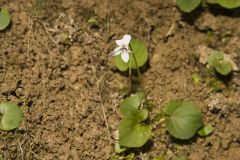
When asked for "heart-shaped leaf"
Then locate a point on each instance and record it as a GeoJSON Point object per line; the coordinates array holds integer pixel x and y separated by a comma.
{"type": "Point", "coordinates": [132, 102]}
{"type": "Point", "coordinates": [183, 119]}
{"type": "Point", "coordinates": [133, 134]}
{"type": "Point", "coordinates": [214, 57]}
{"type": "Point", "coordinates": [140, 52]}
{"type": "Point", "coordinates": [230, 4]}
{"type": "Point", "coordinates": [188, 5]}
{"type": "Point", "coordinates": [223, 67]}
{"type": "Point", "coordinates": [4, 19]}
{"type": "Point", "coordinates": [11, 116]}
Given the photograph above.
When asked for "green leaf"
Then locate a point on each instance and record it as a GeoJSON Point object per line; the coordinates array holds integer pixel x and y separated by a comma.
{"type": "Point", "coordinates": [188, 5]}
{"type": "Point", "coordinates": [171, 106]}
{"type": "Point", "coordinates": [159, 158]}
{"type": "Point", "coordinates": [119, 149]}
{"type": "Point", "coordinates": [207, 130]}
{"type": "Point", "coordinates": [130, 156]}
{"type": "Point", "coordinates": [93, 22]}
{"type": "Point", "coordinates": [4, 19]}
{"type": "Point", "coordinates": [230, 4]}
{"type": "Point", "coordinates": [215, 57]}
{"type": "Point", "coordinates": [140, 52]}
{"type": "Point", "coordinates": [120, 64]}
{"type": "Point", "coordinates": [133, 134]}
{"type": "Point", "coordinates": [136, 115]}
{"type": "Point", "coordinates": [223, 67]}
{"type": "Point", "coordinates": [11, 116]}
{"type": "Point", "coordinates": [132, 102]}
{"type": "Point", "coordinates": [179, 158]}
{"type": "Point", "coordinates": [183, 119]}
{"type": "Point", "coordinates": [212, 1]}
{"type": "Point", "coordinates": [196, 78]}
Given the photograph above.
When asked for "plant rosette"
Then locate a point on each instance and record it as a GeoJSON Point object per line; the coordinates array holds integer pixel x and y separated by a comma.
{"type": "Point", "coordinates": [133, 132]}
{"type": "Point", "coordinates": [217, 61]}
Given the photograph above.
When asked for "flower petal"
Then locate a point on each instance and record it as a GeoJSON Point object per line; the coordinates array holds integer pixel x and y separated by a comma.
{"type": "Point", "coordinates": [116, 51]}
{"type": "Point", "coordinates": [124, 42]}
{"type": "Point", "coordinates": [125, 56]}
{"type": "Point", "coordinates": [119, 42]}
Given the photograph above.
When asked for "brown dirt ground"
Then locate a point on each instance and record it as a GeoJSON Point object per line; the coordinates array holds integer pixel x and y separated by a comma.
{"type": "Point", "coordinates": [61, 86]}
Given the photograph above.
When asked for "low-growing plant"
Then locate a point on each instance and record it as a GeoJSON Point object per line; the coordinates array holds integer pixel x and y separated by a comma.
{"type": "Point", "coordinates": [4, 19]}
{"type": "Point", "coordinates": [217, 61]}
{"type": "Point", "coordinates": [182, 118]}
{"type": "Point", "coordinates": [190, 5]}
{"type": "Point", "coordinates": [10, 116]}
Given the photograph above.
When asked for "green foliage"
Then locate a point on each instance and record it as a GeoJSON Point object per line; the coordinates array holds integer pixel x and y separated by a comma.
{"type": "Point", "coordinates": [188, 5]}
{"type": "Point", "coordinates": [93, 22]}
{"type": "Point", "coordinates": [230, 4]}
{"type": "Point", "coordinates": [195, 78]}
{"type": "Point", "coordinates": [10, 115]}
{"type": "Point", "coordinates": [159, 116]}
{"type": "Point", "coordinates": [132, 102]}
{"type": "Point", "coordinates": [179, 158]}
{"type": "Point", "coordinates": [216, 60]}
{"type": "Point", "coordinates": [140, 52]}
{"type": "Point", "coordinates": [214, 57]}
{"type": "Point", "coordinates": [159, 158]}
{"type": "Point", "coordinates": [205, 131]}
{"type": "Point", "coordinates": [119, 149]}
{"type": "Point", "coordinates": [127, 157]}
{"type": "Point", "coordinates": [223, 67]}
{"type": "Point", "coordinates": [4, 19]}
{"type": "Point", "coordinates": [132, 131]}
{"type": "Point", "coordinates": [183, 119]}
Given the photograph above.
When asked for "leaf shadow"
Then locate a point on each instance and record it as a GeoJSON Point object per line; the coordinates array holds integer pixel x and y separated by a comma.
{"type": "Point", "coordinates": [184, 142]}
{"type": "Point", "coordinates": [218, 10]}
{"type": "Point", "coordinates": [191, 17]}
{"type": "Point", "coordinates": [145, 148]}
{"type": "Point", "coordinates": [8, 28]}
{"type": "Point", "coordinates": [225, 79]}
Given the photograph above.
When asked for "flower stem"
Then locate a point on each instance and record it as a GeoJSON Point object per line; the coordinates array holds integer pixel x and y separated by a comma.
{"type": "Point", "coordinates": [141, 81]}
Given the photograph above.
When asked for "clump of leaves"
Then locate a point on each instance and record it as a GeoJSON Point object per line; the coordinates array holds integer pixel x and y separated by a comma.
{"type": "Point", "coordinates": [4, 19]}
{"type": "Point", "coordinates": [133, 131]}
{"type": "Point", "coordinates": [222, 66]}
{"type": "Point", "coordinates": [190, 5]}
{"type": "Point", "coordinates": [10, 116]}
{"type": "Point", "coordinates": [183, 119]}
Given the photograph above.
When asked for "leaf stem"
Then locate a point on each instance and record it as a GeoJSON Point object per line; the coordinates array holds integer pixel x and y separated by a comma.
{"type": "Point", "coordinates": [140, 79]}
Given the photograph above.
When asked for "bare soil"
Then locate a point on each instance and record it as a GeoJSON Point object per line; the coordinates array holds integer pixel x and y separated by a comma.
{"type": "Point", "coordinates": [56, 67]}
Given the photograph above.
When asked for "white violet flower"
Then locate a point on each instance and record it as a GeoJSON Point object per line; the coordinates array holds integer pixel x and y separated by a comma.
{"type": "Point", "coordinates": [122, 48]}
